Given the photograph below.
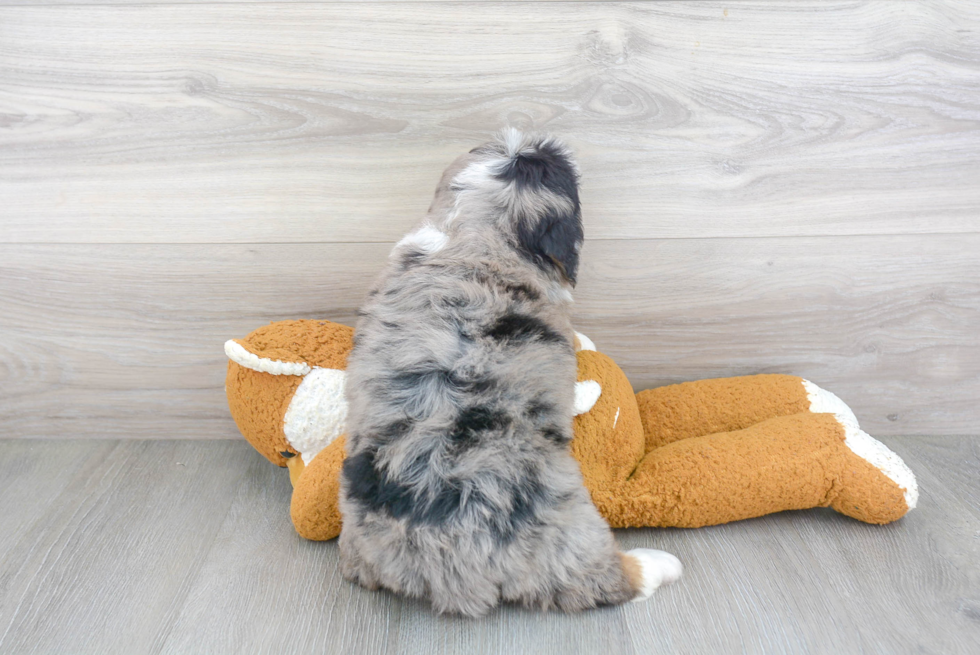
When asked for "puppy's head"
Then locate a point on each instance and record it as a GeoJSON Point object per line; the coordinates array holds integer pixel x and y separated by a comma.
{"type": "Point", "coordinates": [525, 187]}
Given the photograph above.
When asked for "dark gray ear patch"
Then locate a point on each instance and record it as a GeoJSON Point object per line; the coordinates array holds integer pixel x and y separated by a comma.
{"type": "Point", "coordinates": [553, 241]}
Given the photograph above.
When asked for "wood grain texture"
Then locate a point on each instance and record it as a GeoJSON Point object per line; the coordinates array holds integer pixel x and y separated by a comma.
{"type": "Point", "coordinates": [100, 566]}
{"type": "Point", "coordinates": [126, 340]}
{"type": "Point", "coordinates": [177, 547]}
{"type": "Point", "coordinates": [331, 122]}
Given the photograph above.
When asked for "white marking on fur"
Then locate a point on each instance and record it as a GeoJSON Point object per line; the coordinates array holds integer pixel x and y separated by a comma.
{"type": "Point", "coordinates": [516, 143]}
{"type": "Point", "coordinates": [513, 139]}
{"type": "Point", "coordinates": [475, 175]}
{"type": "Point", "coordinates": [453, 213]}
{"type": "Point", "coordinates": [237, 353]}
{"type": "Point", "coordinates": [586, 395]}
{"type": "Point", "coordinates": [584, 342]}
{"type": "Point", "coordinates": [616, 419]}
{"type": "Point", "coordinates": [862, 444]}
{"type": "Point", "coordinates": [558, 293]}
{"type": "Point", "coordinates": [657, 568]}
{"type": "Point", "coordinates": [317, 414]}
{"type": "Point", "coordinates": [426, 238]}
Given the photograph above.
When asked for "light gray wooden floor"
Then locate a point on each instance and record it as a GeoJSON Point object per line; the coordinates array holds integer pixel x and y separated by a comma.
{"type": "Point", "coordinates": [186, 547]}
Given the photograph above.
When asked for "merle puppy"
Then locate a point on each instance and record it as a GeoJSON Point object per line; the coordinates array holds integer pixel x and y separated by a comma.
{"type": "Point", "coordinates": [459, 484]}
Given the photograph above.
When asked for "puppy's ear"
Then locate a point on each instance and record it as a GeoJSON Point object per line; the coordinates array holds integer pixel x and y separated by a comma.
{"type": "Point", "coordinates": [543, 181]}
{"type": "Point", "coordinates": [553, 240]}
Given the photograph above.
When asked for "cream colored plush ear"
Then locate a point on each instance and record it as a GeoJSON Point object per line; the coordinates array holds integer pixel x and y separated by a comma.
{"type": "Point", "coordinates": [237, 353]}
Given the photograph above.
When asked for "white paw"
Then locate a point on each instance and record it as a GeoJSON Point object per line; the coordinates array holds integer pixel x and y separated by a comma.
{"type": "Point", "coordinates": [658, 568]}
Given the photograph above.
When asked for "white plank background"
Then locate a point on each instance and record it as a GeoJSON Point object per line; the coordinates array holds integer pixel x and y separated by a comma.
{"type": "Point", "coordinates": [768, 186]}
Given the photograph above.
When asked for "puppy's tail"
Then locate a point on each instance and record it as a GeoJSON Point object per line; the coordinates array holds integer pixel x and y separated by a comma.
{"type": "Point", "coordinates": [531, 183]}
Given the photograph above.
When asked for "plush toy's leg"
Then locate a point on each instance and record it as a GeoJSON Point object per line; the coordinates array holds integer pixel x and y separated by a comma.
{"type": "Point", "coordinates": [695, 409]}
{"type": "Point", "coordinates": [315, 506]}
{"type": "Point", "coordinates": [789, 462]}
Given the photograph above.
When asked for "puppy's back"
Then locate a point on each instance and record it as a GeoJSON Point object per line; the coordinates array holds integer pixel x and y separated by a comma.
{"type": "Point", "coordinates": [459, 485]}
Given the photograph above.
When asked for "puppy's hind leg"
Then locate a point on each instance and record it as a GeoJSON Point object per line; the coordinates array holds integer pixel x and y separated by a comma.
{"type": "Point", "coordinates": [589, 569]}
{"type": "Point", "coordinates": [352, 566]}
{"type": "Point", "coordinates": [631, 576]}
{"type": "Point", "coordinates": [647, 569]}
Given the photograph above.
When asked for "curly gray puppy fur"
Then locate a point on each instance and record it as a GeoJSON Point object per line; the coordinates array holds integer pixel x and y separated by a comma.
{"type": "Point", "coordinates": [459, 484]}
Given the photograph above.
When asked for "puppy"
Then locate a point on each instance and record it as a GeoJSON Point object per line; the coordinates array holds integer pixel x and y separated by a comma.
{"type": "Point", "coordinates": [459, 484]}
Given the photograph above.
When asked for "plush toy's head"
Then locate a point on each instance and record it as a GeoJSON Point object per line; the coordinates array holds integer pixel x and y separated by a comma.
{"type": "Point", "coordinates": [285, 387]}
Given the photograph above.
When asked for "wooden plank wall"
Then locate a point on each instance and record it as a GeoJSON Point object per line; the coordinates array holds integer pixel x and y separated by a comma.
{"type": "Point", "coordinates": [784, 186]}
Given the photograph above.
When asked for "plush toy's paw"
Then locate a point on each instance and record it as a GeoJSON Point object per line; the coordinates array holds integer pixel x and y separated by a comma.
{"type": "Point", "coordinates": [656, 568]}
{"type": "Point", "coordinates": [587, 392]}
{"type": "Point", "coordinates": [876, 485]}
{"type": "Point", "coordinates": [315, 506]}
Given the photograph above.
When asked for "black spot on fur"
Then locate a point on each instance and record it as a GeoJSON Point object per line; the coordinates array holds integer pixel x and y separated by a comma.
{"type": "Point", "coordinates": [410, 380]}
{"type": "Point", "coordinates": [521, 292]}
{"type": "Point", "coordinates": [536, 409]}
{"type": "Point", "coordinates": [377, 493]}
{"type": "Point", "coordinates": [552, 433]}
{"type": "Point", "coordinates": [521, 327]}
{"type": "Point", "coordinates": [411, 258]}
{"type": "Point", "coordinates": [474, 422]}
{"type": "Point", "coordinates": [395, 431]}
{"type": "Point", "coordinates": [407, 380]}
{"type": "Point", "coordinates": [371, 488]}
{"type": "Point", "coordinates": [527, 497]}
{"type": "Point", "coordinates": [442, 507]}
{"type": "Point", "coordinates": [479, 385]}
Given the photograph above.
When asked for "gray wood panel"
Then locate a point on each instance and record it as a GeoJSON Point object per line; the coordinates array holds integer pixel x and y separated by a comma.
{"type": "Point", "coordinates": [101, 566]}
{"type": "Point", "coordinates": [126, 340]}
{"type": "Point", "coordinates": [177, 547]}
{"type": "Point", "coordinates": [331, 122]}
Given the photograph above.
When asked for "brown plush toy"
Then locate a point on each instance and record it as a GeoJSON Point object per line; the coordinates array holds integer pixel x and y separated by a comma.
{"type": "Point", "coordinates": [686, 455]}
